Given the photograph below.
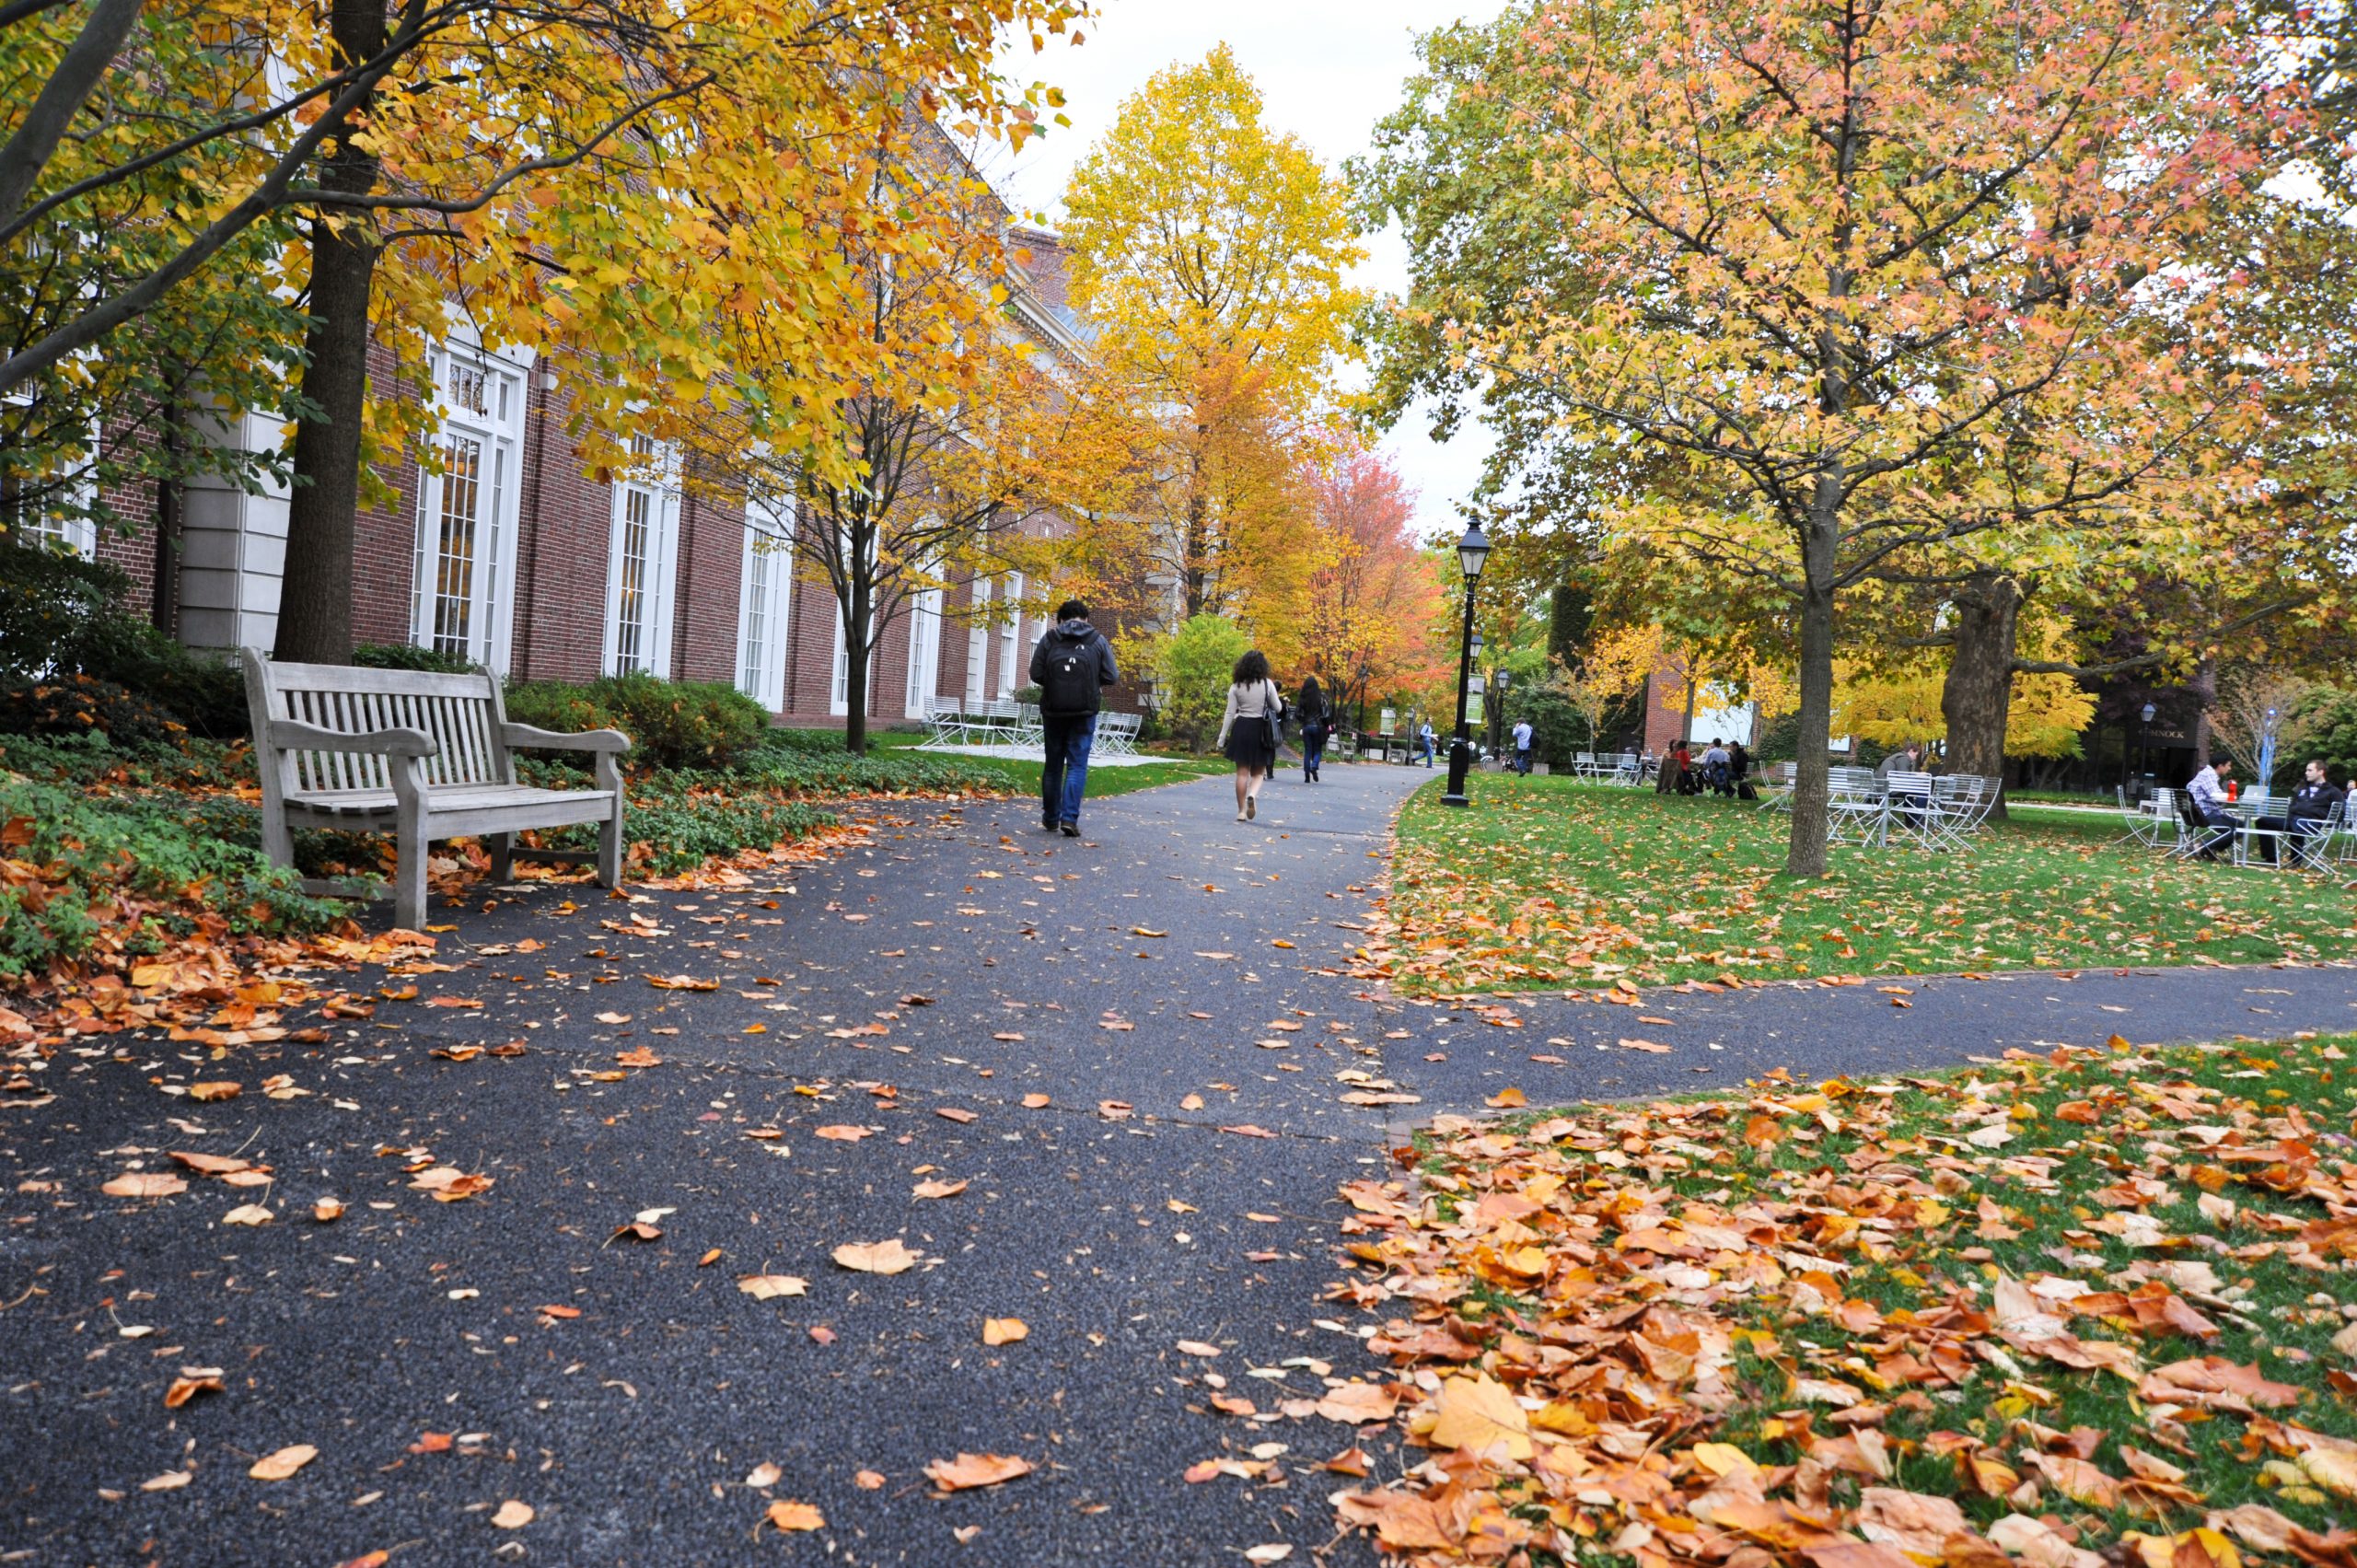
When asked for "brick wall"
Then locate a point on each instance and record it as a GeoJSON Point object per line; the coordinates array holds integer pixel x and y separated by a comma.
{"type": "Point", "coordinates": [710, 591]}
{"type": "Point", "coordinates": [561, 553]}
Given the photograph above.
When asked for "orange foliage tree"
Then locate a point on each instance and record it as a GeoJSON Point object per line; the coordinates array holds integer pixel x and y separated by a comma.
{"type": "Point", "coordinates": [1374, 594]}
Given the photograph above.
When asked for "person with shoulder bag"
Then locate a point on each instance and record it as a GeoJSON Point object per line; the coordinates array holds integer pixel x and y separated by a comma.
{"type": "Point", "coordinates": [1250, 729]}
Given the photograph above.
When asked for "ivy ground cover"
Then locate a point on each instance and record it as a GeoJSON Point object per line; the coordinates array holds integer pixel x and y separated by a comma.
{"type": "Point", "coordinates": [2097, 1309]}
{"type": "Point", "coordinates": [1549, 882]}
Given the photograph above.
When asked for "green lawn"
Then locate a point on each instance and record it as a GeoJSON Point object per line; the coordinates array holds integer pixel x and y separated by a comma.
{"type": "Point", "coordinates": [1549, 882]}
{"type": "Point", "coordinates": [1023, 777]}
{"type": "Point", "coordinates": [2100, 1287]}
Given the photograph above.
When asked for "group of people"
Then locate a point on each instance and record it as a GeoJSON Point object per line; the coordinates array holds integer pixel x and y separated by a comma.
{"type": "Point", "coordinates": [1724, 768]}
{"type": "Point", "coordinates": [2304, 814]}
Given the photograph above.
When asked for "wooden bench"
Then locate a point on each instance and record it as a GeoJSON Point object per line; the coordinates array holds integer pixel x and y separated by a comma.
{"type": "Point", "coordinates": [422, 756]}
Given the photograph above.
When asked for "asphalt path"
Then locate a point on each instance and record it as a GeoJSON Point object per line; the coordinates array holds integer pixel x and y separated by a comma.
{"type": "Point", "coordinates": [1144, 1054]}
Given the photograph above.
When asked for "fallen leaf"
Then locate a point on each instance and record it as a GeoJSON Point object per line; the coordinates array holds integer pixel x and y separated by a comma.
{"type": "Point", "coordinates": [1478, 1413]}
{"type": "Point", "coordinates": [970, 1470]}
{"type": "Point", "coordinates": [1035, 1102]}
{"type": "Point", "coordinates": [171, 1481]}
{"type": "Point", "coordinates": [1005, 1330]}
{"type": "Point", "coordinates": [768, 1287]}
{"type": "Point", "coordinates": [933, 1188]}
{"type": "Point", "coordinates": [867, 1480]}
{"type": "Point", "coordinates": [283, 1463]}
{"type": "Point", "coordinates": [792, 1516]}
{"type": "Point", "coordinates": [512, 1516]}
{"type": "Point", "coordinates": [185, 1388]}
{"type": "Point", "coordinates": [889, 1257]}
{"type": "Point", "coordinates": [144, 1184]}
{"type": "Point", "coordinates": [764, 1474]}
{"type": "Point", "coordinates": [954, 1112]}
{"type": "Point", "coordinates": [842, 1133]}
{"type": "Point", "coordinates": [248, 1213]}
{"type": "Point", "coordinates": [219, 1089]}
{"type": "Point", "coordinates": [327, 1209]}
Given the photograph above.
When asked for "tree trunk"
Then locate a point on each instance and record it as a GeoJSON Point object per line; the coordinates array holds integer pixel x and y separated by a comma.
{"type": "Point", "coordinates": [1805, 855]}
{"type": "Point", "coordinates": [2204, 688]}
{"type": "Point", "coordinates": [315, 600]}
{"type": "Point", "coordinates": [1686, 724]}
{"type": "Point", "coordinates": [1979, 686]}
{"type": "Point", "coordinates": [855, 650]}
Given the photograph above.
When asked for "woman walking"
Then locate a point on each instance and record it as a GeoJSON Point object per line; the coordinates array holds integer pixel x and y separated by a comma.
{"type": "Point", "coordinates": [1248, 732]}
{"type": "Point", "coordinates": [1310, 703]}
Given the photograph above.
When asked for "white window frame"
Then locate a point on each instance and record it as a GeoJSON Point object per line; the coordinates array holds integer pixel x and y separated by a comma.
{"type": "Point", "coordinates": [78, 533]}
{"type": "Point", "coordinates": [1010, 638]}
{"type": "Point", "coordinates": [647, 495]}
{"type": "Point", "coordinates": [479, 398]}
{"type": "Point", "coordinates": [762, 625]}
{"type": "Point", "coordinates": [978, 642]}
{"type": "Point", "coordinates": [924, 651]}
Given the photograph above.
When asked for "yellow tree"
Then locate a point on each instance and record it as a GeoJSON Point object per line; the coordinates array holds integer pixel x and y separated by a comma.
{"type": "Point", "coordinates": [1880, 277]}
{"type": "Point", "coordinates": [1209, 252]}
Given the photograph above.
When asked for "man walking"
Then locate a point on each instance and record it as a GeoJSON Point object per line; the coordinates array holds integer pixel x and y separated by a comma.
{"type": "Point", "coordinates": [1424, 739]}
{"type": "Point", "coordinates": [1071, 667]}
{"type": "Point", "coordinates": [1522, 746]}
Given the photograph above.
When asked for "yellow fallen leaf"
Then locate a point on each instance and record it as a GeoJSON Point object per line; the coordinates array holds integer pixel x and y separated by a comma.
{"type": "Point", "coordinates": [790, 1516]}
{"type": "Point", "coordinates": [512, 1516]}
{"type": "Point", "coordinates": [887, 1256]}
{"type": "Point", "coordinates": [248, 1213]}
{"type": "Point", "coordinates": [768, 1287]}
{"type": "Point", "coordinates": [1478, 1413]}
{"type": "Point", "coordinates": [283, 1463]}
{"type": "Point", "coordinates": [1005, 1330]}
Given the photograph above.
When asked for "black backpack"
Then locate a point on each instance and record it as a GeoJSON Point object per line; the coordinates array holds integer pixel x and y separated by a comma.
{"type": "Point", "coordinates": [1071, 683]}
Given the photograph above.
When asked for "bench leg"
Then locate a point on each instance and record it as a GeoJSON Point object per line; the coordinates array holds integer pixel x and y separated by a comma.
{"type": "Point", "coordinates": [502, 855]}
{"type": "Point", "coordinates": [409, 875]}
{"type": "Point", "coordinates": [277, 840]}
{"type": "Point", "coordinates": [610, 850]}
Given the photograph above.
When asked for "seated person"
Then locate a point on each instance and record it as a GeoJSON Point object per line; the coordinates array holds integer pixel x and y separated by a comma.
{"type": "Point", "coordinates": [1908, 760]}
{"type": "Point", "coordinates": [2305, 812]}
{"type": "Point", "coordinates": [1715, 766]}
{"type": "Point", "coordinates": [2207, 789]}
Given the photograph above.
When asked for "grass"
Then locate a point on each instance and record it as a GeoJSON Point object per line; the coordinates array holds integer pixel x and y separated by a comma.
{"type": "Point", "coordinates": [1023, 776]}
{"type": "Point", "coordinates": [2205, 1178]}
{"type": "Point", "coordinates": [1549, 882]}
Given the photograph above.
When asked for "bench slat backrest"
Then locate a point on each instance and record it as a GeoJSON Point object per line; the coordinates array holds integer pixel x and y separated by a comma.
{"type": "Point", "coordinates": [462, 713]}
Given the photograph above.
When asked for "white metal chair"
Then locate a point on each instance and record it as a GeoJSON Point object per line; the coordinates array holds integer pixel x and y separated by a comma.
{"type": "Point", "coordinates": [2143, 828]}
{"type": "Point", "coordinates": [944, 718]}
{"type": "Point", "coordinates": [1958, 813]}
{"type": "Point", "coordinates": [1776, 789]}
{"type": "Point", "coordinates": [1117, 734]}
{"type": "Point", "coordinates": [1584, 764]}
{"type": "Point", "coordinates": [1855, 806]}
{"type": "Point", "coordinates": [2312, 849]}
{"type": "Point", "coordinates": [1911, 803]}
{"type": "Point", "coordinates": [1028, 729]}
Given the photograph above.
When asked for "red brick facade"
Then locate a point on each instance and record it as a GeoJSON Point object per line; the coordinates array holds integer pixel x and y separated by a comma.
{"type": "Point", "coordinates": [558, 572]}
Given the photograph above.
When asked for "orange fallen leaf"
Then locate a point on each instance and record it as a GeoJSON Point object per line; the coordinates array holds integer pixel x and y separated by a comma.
{"type": "Point", "coordinates": [970, 1470]}
{"type": "Point", "coordinates": [792, 1516]}
{"type": "Point", "coordinates": [1005, 1330]}
{"type": "Point", "coordinates": [283, 1463]}
{"type": "Point", "coordinates": [887, 1257]}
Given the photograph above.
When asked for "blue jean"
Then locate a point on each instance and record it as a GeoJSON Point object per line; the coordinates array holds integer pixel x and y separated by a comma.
{"type": "Point", "coordinates": [1427, 747]}
{"type": "Point", "coordinates": [1064, 777]}
{"type": "Point", "coordinates": [1313, 748]}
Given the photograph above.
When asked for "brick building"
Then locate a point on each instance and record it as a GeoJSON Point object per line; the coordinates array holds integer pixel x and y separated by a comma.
{"type": "Point", "coordinates": [516, 557]}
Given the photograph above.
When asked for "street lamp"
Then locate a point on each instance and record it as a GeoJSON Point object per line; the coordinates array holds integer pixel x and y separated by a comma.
{"type": "Point", "coordinates": [1497, 715]}
{"type": "Point", "coordinates": [2143, 748]}
{"type": "Point", "coordinates": [2265, 752]}
{"type": "Point", "coordinates": [1472, 554]}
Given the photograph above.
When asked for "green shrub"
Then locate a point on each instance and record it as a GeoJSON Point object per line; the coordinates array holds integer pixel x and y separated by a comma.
{"type": "Point", "coordinates": [671, 723]}
{"type": "Point", "coordinates": [405, 655]}
{"type": "Point", "coordinates": [63, 615]}
{"type": "Point", "coordinates": [1193, 666]}
{"type": "Point", "coordinates": [142, 867]}
{"type": "Point", "coordinates": [818, 741]}
{"type": "Point", "coordinates": [83, 704]}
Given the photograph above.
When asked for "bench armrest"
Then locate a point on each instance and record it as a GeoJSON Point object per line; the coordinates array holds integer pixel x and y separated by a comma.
{"type": "Point", "coordinates": [599, 740]}
{"type": "Point", "coordinates": [293, 735]}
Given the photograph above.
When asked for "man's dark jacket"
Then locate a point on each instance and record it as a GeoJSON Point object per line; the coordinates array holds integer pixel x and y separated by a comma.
{"type": "Point", "coordinates": [1072, 666]}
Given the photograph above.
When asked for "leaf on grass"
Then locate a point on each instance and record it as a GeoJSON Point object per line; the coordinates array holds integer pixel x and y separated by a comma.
{"type": "Point", "coordinates": [1479, 1413]}
{"type": "Point", "coordinates": [2212, 1382]}
{"type": "Point", "coordinates": [969, 1470]}
{"type": "Point", "coordinates": [887, 1256]}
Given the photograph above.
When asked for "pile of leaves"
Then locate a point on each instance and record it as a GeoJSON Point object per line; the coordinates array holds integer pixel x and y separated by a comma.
{"type": "Point", "coordinates": [2074, 1312]}
{"type": "Point", "coordinates": [1548, 882]}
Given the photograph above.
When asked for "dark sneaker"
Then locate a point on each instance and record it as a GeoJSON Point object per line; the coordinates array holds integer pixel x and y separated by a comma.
{"type": "Point", "coordinates": [1072, 830]}
{"type": "Point", "coordinates": [1048, 824]}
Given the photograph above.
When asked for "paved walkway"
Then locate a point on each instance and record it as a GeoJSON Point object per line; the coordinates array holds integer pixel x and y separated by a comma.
{"type": "Point", "coordinates": [1172, 986]}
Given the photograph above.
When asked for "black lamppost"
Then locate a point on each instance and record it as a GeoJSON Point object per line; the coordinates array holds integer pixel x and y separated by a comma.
{"type": "Point", "coordinates": [2143, 748]}
{"type": "Point", "coordinates": [1472, 554]}
{"type": "Point", "coordinates": [1497, 707]}
{"type": "Point", "coordinates": [1364, 673]}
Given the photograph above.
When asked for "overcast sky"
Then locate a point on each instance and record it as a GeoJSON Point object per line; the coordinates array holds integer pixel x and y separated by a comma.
{"type": "Point", "coordinates": [1328, 70]}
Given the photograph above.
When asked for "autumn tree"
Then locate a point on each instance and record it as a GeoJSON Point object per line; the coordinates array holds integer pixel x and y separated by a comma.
{"type": "Point", "coordinates": [1374, 591]}
{"type": "Point", "coordinates": [1209, 251]}
{"type": "Point", "coordinates": [1881, 278]}
{"type": "Point", "coordinates": [960, 430]}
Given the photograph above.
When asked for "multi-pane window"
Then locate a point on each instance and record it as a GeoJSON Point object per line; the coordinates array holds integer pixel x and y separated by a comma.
{"type": "Point", "coordinates": [761, 617]}
{"type": "Point", "coordinates": [466, 510]}
{"type": "Point", "coordinates": [1010, 638]}
{"type": "Point", "coordinates": [978, 641]}
{"type": "Point", "coordinates": [924, 651]}
{"type": "Point", "coordinates": [644, 549]}
{"type": "Point", "coordinates": [460, 497]}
